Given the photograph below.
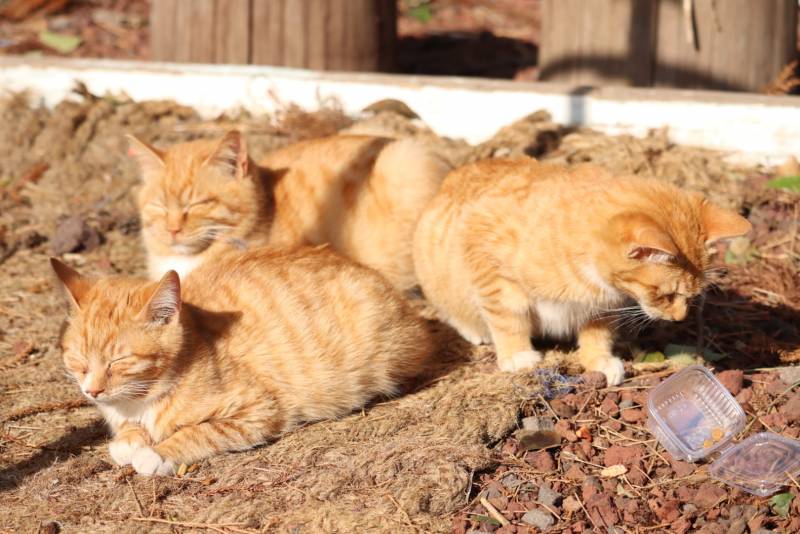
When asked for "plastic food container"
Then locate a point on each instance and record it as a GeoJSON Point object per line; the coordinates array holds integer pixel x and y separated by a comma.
{"type": "Point", "coordinates": [693, 415]}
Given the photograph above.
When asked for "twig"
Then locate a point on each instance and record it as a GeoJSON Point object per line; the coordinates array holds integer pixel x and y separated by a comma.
{"type": "Point", "coordinates": [794, 480]}
{"type": "Point", "coordinates": [136, 497]}
{"type": "Point", "coordinates": [402, 510]}
{"type": "Point", "coordinates": [494, 513]}
{"type": "Point", "coordinates": [49, 407]}
{"type": "Point", "coordinates": [596, 528]}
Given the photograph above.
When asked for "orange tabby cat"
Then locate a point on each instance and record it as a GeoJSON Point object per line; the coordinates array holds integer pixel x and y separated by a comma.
{"type": "Point", "coordinates": [252, 344]}
{"type": "Point", "coordinates": [361, 194]}
{"type": "Point", "coordinates": [510, 249]}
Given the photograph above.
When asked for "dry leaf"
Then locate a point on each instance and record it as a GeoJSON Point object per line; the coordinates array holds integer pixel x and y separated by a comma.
{"type": "Point", "coordinates": [614, 471]}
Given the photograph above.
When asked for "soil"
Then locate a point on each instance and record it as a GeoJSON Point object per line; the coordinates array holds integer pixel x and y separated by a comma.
{"type": "Point", "coordinates": [428, 461]}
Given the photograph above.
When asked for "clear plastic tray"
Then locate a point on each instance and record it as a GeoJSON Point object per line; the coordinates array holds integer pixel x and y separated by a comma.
{"type": "Point", "coordinates": [693, 415]}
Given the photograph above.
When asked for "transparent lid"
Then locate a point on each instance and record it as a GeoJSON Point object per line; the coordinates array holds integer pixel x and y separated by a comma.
{"type": "Point", "coordinates": [692, 414]}
{"type": "Point", "coordinates": [761, 464]}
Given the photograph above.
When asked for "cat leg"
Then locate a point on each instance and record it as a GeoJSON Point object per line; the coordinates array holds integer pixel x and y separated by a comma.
{"type": "Point", "coordinates": [194, 442]}
{"type": "Point", "coordinates": [128, 438]}
{"type": "Point", "coordinates": [511, 334]}
{"type": "Point", "coordinates": [595, 342]}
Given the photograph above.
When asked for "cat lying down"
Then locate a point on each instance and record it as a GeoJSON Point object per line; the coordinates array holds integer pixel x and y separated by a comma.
{"type": "Point", "coordinates": [249, 345]}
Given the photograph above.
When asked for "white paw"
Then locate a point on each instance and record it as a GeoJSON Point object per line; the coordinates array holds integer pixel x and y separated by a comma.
{"type": "Point", "coordinates": [613, 368]}
{"type": "Point", "coordinates": [146, 461]}
{"type": "Point", "coordinates": [121, 451]}
{"type": "Point", "coordinates": [519, 361]}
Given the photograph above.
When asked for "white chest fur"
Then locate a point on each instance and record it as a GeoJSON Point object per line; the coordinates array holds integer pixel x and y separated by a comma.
{"type": "Point", "coordinates": [182, 265]}
{"type": "Point", "coordinates": [561, 319]}
{"type": "Point", "coordinates": [140, 413]}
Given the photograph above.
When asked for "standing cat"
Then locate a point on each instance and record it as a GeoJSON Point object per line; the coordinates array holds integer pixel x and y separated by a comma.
{"type": "Point", "coordinates": [361, 194]}
{"type": "Point", "coordinates": [253, 343]}
{"type": "Point", "coordinates": [510, 249]}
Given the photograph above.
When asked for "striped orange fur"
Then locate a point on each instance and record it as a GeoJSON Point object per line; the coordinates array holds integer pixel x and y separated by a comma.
{"type": "Point", "coordinates": [363, 195]}
{"type": "Point", "coordinates": [248, 346]}
{"type": "Point", "coordinates": [514, 248]}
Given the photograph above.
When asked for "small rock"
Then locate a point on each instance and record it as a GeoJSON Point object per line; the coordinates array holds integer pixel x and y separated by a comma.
{"type": "Point", "coordinates": [584, 433]}
{"type": "Point", "coordinates": [609, 407]}
{"type": "Point", "coordinates": [539, 519]}
{"type": "Point", "coordinates": [791, 410]}
{"type": "Point", "coordinates": [594, 379]}
{"type": "Point", "coordinates": [617, 454]}
{"type": "Point", "coordinates": [632, 415]}
{"type": "Point", "coordinates": [51, 527]}
{"type": "Point", "coordinates": [738, 526]}
{"type": "Point", "coordinates": [492, 491]}
{"type": "Point", "coordinates": [510, 481]}
{"type": "Point", "coordinates": [564, 428]}
{"type": "Point", "coordinates": [689, 509]}
{"type": "Point", "coordinates": [590, 487]}
{"type": "Point", "coordinates": [74, 234]}
{"type": "Point", "coordinates": [541, 461]}
{"type": "Point", "coordinates": [574, 473]}
{"type": "Point", "coordinates": [732, 380]}
{"type": "Point", "coordinates": [549, 497]}
{"type": "Point", "coordinates": [744, 396]}
{"type": "Point", "coordinates": [562, 409]}
{"type": "Point", "coordinates": [681, 468]}
{"type": "Point", "coordinates": [708, 495]}
{"type": "Point", "coordinates": [776, 387]}
{"type": "Point", "coordinates": [624, 404]}
{"type": "Point", "coordinates": [789, 375]}
{"type": "Point", "coordinates": [571, 505]}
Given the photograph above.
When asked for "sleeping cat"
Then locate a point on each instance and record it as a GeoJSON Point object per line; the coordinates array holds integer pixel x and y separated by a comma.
{"type": "Point", "coordinates": [510, 249]}
{"type": "Point", "coordinates": [363, 195]}
{"type": "Point", "coordinates": [253, 343]}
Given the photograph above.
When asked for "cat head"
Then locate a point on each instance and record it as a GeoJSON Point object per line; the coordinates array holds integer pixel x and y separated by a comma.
{"type": "Point", "coordinates": [196, 193]}
{"type": "Point", "coordinates": [662, 257]}
{"type": "Point", "coordinates": [123, 334]}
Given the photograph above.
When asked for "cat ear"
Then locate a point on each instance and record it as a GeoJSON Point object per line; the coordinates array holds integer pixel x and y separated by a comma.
{"type": "Point", "coordinates": [720, 223]}
{"type": "Point", "coordinates": [76, 284]}
{"type": "Point", "coordinates": [649, 242]}
{"type": "Point", "coordinates": [151, 159]}
{"type": "Point", "coordinates": [165, 302]}
{"type": "Point", "coordinates": [230, 156]}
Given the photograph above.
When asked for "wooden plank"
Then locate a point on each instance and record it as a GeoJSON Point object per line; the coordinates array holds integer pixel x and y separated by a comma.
{"type": "Point", "coordinates": [268, 33]}
{"type": "Point", "coordinates": [598, 42]}
{"type": "Point", "coordinates": [740, 45]}
{"type": "Point", "coordinates": [355, 35]}
{"type": "Point", "coordinates": [232, 31]}
{"type": "Point", "coordinates": [163, 21]}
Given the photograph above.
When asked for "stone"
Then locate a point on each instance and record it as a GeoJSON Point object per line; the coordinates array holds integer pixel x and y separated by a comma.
{"type": "Point", "coordinates": [539, 519]}
{"type": "Point", "coordinates": [73, 234]}
{"type": "Point", "coordinates": [541, 461]}
{"type": "Point", "coordinates": [708, 495]}
{"type": "Point", "coordinates": [562, 409]}
{"type": "Point", "coordinates": [549, 497]}
{"type": "Point", "coordinates": [732, 380]}
{"type": "Point", "coordinates": [624, 404]}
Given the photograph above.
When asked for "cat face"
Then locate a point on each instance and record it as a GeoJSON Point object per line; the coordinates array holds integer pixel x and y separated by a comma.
{"type": "Point", "coordinates": [662, 266]}
{"type": "Point", "coordinates": [195, 194]}
{"type": "Point", "coordinates": [123, 334]}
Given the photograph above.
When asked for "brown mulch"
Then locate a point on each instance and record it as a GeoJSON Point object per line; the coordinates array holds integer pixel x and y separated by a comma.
{"type": "Point", "coordinates": [421, 462]}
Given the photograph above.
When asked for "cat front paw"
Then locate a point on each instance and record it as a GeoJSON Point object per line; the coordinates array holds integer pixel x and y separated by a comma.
{"type": "Point", "coordinates": [612, 367]}
{"type": "Point", "coordinates": [147, 461]}
{"type": "Point", "coordinates": [519, 361]}
{"type": "Point", "coordinates": [122, 450]}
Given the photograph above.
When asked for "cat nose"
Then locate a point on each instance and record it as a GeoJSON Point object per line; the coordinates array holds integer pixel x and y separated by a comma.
{"type": "Point", "coordinates": [94, 392]}
{"type": "Point", "coordinates": [173, 231]}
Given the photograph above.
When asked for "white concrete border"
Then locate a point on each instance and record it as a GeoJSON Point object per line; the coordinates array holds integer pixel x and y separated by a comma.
{"type": "Point", "coordinates": [758, 128]}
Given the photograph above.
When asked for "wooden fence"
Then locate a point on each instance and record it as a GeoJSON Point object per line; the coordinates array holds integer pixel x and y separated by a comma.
{"type": "Point", "coordinates": [355, 35]}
